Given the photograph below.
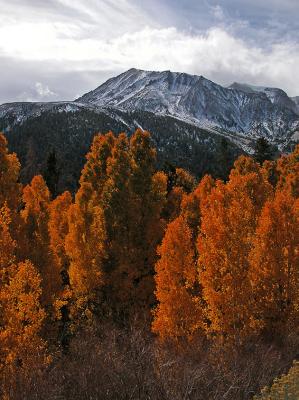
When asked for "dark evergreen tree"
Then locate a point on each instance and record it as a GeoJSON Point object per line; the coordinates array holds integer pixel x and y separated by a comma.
{"type": "Point", "coordinates": [224, 159]}
{"type": "Point", "coordinates": [170, 171]}
{"type": "Point", "coordinates": [263, 150]}
{"type": "Point", "coordinates": [52, 174]}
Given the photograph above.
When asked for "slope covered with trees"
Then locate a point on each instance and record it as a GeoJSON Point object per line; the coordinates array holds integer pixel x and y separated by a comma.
{"type": "Point", "coordinates": [70, 134]}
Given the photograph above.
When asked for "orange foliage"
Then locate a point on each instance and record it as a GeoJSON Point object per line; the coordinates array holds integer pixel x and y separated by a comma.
{"type": "Point", "coordinates": [10, 188]}
{"type": "Point", "coordinates": [274, 261]}
{"type": "Point", "coordinates": [58, 229]}
{"type": "Point", "coordinates": [21, 322]}
{"type": "Point", "coordinates": [7, 246]}
{"type": "Point", "coordinates": [21, 315]}
{"type": "Point", "coordinates": [288, 172]}
{"type": "Point", "coordinates": [179, 312]}
{"type": "Point", "coordinates": [95, 169]}
{"type": "Point", "coordinates": [193, 202]}
{"type": "Point", "coordinates": [35, 244]}
{"type": "Point", "coordinates": [84, 245]}
{"type": "Point", "coordinates": [227, 266]}
{"type": "Point", "coordinates": [132, 200]}
{"type": "Point", "coordinates": [229, 218]}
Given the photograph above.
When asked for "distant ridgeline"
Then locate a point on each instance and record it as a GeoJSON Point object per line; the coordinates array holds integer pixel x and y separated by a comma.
{"type": "Point", "coordinates": [195, 123]}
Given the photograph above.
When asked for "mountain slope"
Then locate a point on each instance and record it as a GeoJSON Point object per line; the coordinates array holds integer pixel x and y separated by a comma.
{"type": "Point", "coordinates": [70, 135]}
{"type": "Point", "coordinates": [296, 101]}
{"type": "Point", "coordinates": [277, 96]}
{"type": "Point", "coordinates": [266, 112]}
{"type": "Point", "coordinates": [195, 123]}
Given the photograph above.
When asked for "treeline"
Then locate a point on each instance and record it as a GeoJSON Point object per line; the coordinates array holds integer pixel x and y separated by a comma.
{"type": "Point", "coordinates": [145, 278]}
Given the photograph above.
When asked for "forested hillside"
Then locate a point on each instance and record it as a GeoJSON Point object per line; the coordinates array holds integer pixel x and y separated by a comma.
{"type": "Point", "coordinates": [70, 134]}
{"type": "Point", "coordinates": [146, 284]}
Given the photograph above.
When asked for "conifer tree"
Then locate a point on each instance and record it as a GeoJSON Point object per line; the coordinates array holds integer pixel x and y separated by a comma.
{"type": "Point", "coordinates": [179, 182]}
{"type": "Point", "coordinates": [193, 202]}
{"type": "Point", "coordinates": [263, 150]}
{"type": "Point", "coordinates": [86, 241]}
{"type": "Point", "coordinates": [131, 201]}
{"type": "Point", "coordinates": [52, 174]}
{"type": "Point", "coordinates": [115, 203]}
{"type": "Point", "coordinates": [148, 194]}
{"type": "Point", "coordinates": [116, 221]}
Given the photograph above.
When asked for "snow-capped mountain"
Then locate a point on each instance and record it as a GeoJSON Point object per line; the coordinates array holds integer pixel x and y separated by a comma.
{"type": "Point", "coordinates": [275, 95]}
{"type": "Point", "coordinates": [195, 123]}
{"type": "Point", "coordinates": [241, 113]}
{"type": "Point", "coordinates": [242, 109]}
{"type": "Point", "coordinates": [19, 112]}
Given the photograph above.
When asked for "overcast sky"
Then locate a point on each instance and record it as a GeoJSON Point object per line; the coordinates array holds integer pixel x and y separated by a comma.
{"type": "Point", "coordinates": [60, 49]}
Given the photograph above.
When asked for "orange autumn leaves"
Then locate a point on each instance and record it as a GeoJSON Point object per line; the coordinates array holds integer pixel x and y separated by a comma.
{"type": "Point", "coordinates": [115, 225]}
{"type": "Point", "coordinates": [91, 256]}
{"type": "Point", "coordinates": [85, 258]}
{"type": "Point", "coordinates": [243, 261]}
{"type": "Point", "coordinates": [274, 261]}
{"type": "Point", "coordinates": [226, 265]}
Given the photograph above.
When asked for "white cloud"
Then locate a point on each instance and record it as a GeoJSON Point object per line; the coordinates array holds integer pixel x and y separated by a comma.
{"type": "Point", "coordinates": [43, 90]}
{"type": "Point", "coordinates": [218, 55]}
{"type": "Point", "coordinates": [108, 37]}
{"type": "Point", "coordinates": [38, 92]}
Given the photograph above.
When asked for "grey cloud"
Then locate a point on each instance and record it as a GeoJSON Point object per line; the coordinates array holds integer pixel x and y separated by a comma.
{"type": "Point", "coordinates": [271, 19]}
{"type": "Point", "coordinates": [19, 81]}
{"type": "Point", "coordinates": [38, 10]}
{"type": "Point", "coordinates": [93, 18]}
{"type": "Point", "coordinates": [258, 23]}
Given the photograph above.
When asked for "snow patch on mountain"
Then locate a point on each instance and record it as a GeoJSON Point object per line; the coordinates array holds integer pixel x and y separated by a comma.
{"type": "Point", "coordinates": [241, 108]}
{"type": "Point", "coordinates": [241, 112]}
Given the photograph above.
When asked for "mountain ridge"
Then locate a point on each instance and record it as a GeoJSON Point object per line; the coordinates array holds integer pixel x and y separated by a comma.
{"type": "Point", "coordinates": [240, 108]}
{"type": "Point", "coordinates": [241, 113]}
{"type": "Point", "coordinates": [195, 123]}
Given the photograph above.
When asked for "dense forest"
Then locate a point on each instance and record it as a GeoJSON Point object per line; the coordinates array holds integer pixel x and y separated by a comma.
{"type": "Point", "coordinates": [70, 134]}
{"type": "Point", "coordinates": [147, 284]}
